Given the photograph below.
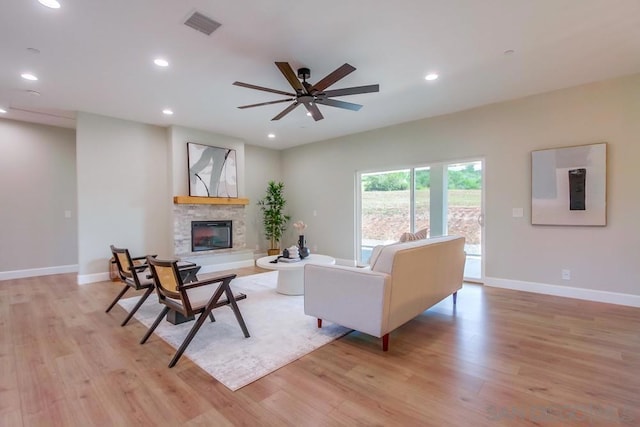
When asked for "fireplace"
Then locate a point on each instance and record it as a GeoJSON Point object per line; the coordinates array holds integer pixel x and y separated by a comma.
{"type": "Point", "coordinates": [210, 235]}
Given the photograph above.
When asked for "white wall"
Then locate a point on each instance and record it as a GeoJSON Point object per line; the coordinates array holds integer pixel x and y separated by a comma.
{"type": "Point", "coordinates": [262, 165]}
{"type": "Point", "coordinates": [179, 136]}
{"type": "Point", "coordinates": [124, 195]}
{"type": "Point", "coordinates": [37, 186]}
{"type": "Point", "coordinates": [321, 177]}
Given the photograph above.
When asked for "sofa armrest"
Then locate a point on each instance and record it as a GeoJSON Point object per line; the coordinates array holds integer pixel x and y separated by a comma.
{"type": "Point", "coordinates": [356, 298]}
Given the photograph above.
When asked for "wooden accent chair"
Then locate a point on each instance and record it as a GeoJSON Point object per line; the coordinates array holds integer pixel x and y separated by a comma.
{"type": "Point", "coordinates": [188, 299]}
{"type": "Point", "coordinates": [133, 273]}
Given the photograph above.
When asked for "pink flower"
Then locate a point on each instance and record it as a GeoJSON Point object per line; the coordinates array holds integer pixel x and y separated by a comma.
{"type": "Point", "coordinates": [299, 226]}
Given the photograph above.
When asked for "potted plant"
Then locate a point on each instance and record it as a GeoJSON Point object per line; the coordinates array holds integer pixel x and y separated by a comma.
{"type": "Point", "coordinates": [273, 217]}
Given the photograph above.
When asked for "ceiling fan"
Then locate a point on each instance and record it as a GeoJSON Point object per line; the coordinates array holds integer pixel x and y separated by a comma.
{"type": "Point", "coordinates": [311, 95]}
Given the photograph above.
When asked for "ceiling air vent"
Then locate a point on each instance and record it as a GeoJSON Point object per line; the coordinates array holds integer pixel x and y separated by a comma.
{"type": "Point", "coordinates": [202, 23]}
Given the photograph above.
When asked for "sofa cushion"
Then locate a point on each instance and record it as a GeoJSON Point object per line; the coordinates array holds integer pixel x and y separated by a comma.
{"type": "Point", "coordinates": [375, 253]}
{"type": "Point", "coordinates": [384, 262]}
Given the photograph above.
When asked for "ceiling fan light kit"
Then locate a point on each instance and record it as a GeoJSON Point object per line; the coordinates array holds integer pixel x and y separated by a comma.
{"type": "Point", "coordinates": [311, 95]}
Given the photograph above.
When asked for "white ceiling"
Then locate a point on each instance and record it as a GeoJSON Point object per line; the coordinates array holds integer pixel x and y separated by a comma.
{"type": "Point", "coordinates": [96, 56]}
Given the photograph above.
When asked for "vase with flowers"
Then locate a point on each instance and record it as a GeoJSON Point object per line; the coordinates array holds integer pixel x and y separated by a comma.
{"type": "Point", "coordinates": [302, 249]}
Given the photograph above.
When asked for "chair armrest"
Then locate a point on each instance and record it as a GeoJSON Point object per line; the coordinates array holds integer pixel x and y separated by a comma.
{"type": "Point", "coordinates": [142, 266]}
{"type": "Point", "coordinates": [207, 281]}
{"type": "Point", "coordinates": [357, 298]}
{"type": "Point", "coordinates": [138, 258]}
{"type": "Point", "coordinates": [184, 265]}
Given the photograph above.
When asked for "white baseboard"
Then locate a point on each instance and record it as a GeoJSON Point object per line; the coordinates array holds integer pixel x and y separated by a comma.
{"type": "Point", "coordinates": [34, 272]}
{"type": "Point", "coordinates": [565, 291]}
{"type": "Point", "coordinates": [85, 279]}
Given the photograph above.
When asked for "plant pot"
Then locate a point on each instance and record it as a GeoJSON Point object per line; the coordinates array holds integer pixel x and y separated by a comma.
{"type": "Point", "coordinates": [273, 252]}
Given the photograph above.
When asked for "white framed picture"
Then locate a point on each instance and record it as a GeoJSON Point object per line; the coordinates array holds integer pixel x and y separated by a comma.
{"type": "Point", "coordinates": [569, 186]}
{"type": "Point", "coordinates": [212, 171]}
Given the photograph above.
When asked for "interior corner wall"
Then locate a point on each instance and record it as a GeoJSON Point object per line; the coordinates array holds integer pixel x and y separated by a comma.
{"type": "Point", "coordinates": [179, 159]}
{"type": "Point", "coordinates": [262, 165]}
{"type": "Point", "coordinates": [124, 195]}
{"type": "Point", "coordinates": [37, 187]}
{"type": "Point", "coordinates": [504, 134]}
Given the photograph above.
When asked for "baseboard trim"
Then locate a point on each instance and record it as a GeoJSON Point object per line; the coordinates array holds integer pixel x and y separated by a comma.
{"type": "Point", "coordinates": [34, 272]}
{"type": "Point", "coordinates": [565, 291]}
{"type": "Point", "coordinates": [85, 279]}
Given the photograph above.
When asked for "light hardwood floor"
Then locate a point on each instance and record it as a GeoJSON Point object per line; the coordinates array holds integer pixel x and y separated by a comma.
{"type": "Point", "coordinates": [500, 358]}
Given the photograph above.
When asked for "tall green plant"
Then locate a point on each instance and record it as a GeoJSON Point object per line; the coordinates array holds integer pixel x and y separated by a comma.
{"type": "Point", "coordinates": [273, 217]}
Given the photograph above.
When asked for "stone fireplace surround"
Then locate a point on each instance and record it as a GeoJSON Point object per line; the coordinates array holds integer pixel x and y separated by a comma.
{"type": "Point", "coordinates": [215, 260]}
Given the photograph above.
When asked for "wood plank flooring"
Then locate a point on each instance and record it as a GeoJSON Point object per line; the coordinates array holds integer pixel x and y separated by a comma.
{"type": "Point", "coordinates": [500, 358]}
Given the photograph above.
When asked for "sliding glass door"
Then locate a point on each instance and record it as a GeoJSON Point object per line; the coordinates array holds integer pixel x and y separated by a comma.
{"type": "Point", "coordinates": [444, 198]}
{"type": "Point", "coordinates": [385, 207]}
{"type": "Point", "coordinates": [464, 212]}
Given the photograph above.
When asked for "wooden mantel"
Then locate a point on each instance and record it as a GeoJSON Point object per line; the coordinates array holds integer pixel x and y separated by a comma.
{"type": "Point", "coordinates": [190, 200]}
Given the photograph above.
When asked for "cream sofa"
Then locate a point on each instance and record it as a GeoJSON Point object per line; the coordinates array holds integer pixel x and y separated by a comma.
{"type": "Point", "coordinates": [402, 281]}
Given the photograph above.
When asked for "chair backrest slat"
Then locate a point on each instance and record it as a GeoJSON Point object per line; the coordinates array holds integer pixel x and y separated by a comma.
{"type": "Point", "coordinates": [123, 261]}
{"type": "Point", "coordinates": [168, 281]}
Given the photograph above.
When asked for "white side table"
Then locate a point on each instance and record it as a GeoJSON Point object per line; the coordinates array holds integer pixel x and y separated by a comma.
{"type": "Point", "coordinates": [291, 275]}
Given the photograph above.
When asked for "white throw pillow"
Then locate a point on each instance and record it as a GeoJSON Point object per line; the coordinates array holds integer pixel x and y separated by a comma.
{"type": "Point", "coordinates": [375, 253]}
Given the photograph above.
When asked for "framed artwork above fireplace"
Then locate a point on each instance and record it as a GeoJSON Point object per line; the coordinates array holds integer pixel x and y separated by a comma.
{"type": "Point", "coordinates": [212, 171]}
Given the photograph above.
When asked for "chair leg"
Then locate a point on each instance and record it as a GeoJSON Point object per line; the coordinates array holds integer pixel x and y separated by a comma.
{"type": "Point", "coordinates": [122, 292]}
{"type": "Point", "coordinates": [455, 298]}
{"type": "Point", "coordinates": [140, 302]}
{"type": "Point", "coordinates": [385, 342]}
{"type": "Point", "coordinates": [192, 333]}
{"type": "Point", "coordinates": [213, 319]}
{"type": "Point", "coordinates": [153, 327]}
{"type": "Point", "coordinates": [319, 323]}
{"type": "Point", "coordinates": [236, 310]}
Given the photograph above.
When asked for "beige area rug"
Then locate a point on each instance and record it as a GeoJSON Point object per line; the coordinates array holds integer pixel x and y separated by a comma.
{"type": "Point", "coordinates": [280, 332]}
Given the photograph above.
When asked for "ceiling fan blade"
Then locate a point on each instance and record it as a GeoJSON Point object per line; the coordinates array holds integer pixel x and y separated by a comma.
{"type": "Point", "coordinates": [333, 77]}
{"type": "Point", "coordinates": [265, 89]}
{"type": "Point", "coordinates": [291, 77]}
{"type": "Point", "coordinates": [352, 90]}
{"type": "Point", "coordinates": [266, 103]}
{"type": "Point", "coordinates": [286, 111]}
{"type": "Point", "coordinates": [340, 104]}
{"type": "Point", "coordinates": [314, 110]}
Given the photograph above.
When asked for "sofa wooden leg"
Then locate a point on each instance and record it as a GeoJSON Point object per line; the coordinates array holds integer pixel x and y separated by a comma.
{"type": "Point", "coordinates": [385, 342]}
{"type": "Point", "coordinates": [319, 323]}
{"type": "Point", "coordinates": [455, 298]}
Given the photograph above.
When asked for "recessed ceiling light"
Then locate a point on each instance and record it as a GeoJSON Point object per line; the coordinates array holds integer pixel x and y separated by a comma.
{"type": "Point", "coordinates": [431, 76]}
{"type": "Point", "coordinates": [161, 62]}
{"type": "Point", "coordinates": [33, 92]}
{"type": "Point", "coordinates": [53, 4]}
{"type": "Point", "coordinates": [271, 135]}
{"type": "Point", "coordinates": [3, 111]}
{"type": "Point", "coordinates": [167, 112]}
{"type": "Point", "coordinates": [28, 76]}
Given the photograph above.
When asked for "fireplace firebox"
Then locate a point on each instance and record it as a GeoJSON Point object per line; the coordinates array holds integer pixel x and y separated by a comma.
{"type": "Point", "coordinates": [211, 235]}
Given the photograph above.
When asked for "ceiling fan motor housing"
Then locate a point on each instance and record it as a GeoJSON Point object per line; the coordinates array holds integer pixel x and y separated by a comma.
{"type": "Point", "coordinates": [304, 73]}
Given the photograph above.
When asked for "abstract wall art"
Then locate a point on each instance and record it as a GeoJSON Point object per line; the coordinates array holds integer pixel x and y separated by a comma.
{"type": "Point", "coordinates": [569, 185]}
{"type": "Point", "coordinates": [212, 171]}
